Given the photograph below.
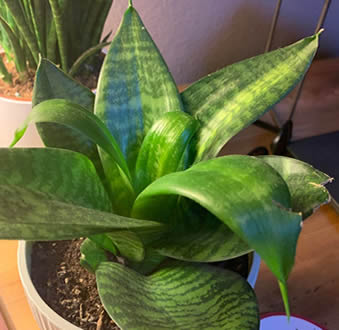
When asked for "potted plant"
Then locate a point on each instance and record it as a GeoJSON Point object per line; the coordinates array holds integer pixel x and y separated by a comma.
{"type": "Point", "coordinates": [66, 32]}
{"type": "Point", "coordinates": [140, 179]}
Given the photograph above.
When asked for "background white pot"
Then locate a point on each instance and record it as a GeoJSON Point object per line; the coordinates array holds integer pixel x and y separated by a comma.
{"type": "Point", "coordinates": [46, 318]}
{"type": "Point", "coordinates": [13, 112]}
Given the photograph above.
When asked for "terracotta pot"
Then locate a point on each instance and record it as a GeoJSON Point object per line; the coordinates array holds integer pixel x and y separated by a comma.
{"type": "Point", "coordinates": [13, 113]}
{"type": "Point", "coordinates": [46, 318]}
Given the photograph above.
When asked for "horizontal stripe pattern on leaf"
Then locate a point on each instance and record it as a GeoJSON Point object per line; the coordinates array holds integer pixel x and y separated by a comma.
{"type": "Point", "coordinates": [180, 296]}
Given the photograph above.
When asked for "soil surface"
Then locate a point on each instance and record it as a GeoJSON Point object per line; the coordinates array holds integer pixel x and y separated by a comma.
{"type": "Point", "coordinates": [22, 85]}
{"type": "Point", "coordinates": [70, 290]}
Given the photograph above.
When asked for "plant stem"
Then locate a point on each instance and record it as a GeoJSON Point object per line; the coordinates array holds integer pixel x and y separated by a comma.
{"type": "Point", "coordinates": [75, 67]}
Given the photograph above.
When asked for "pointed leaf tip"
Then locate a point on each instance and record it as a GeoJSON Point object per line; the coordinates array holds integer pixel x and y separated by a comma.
{"type": "Point", "coordinates": [320, 32]}
{"type": "Point", "coordinates": [284, 294]}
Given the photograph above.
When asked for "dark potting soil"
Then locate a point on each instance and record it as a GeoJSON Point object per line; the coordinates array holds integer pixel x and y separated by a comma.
{"type": "Point", "coordinates": [22, 85]}
{"type": "Point", "coordinates": [70, 290]}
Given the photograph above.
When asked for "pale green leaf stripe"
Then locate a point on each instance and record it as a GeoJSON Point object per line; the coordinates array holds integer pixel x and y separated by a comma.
{"type": "Point", "coordinates": [305, 183]}
{"type": "Point", "coordinates": [30, 215]}
{"type": "Point", "coordinates": [181, 296]}
{"type": "Point", "coordinates": [234, 97]}
{"type": "Point", "coordinates": [243, 192]}
{"type": "Point", "coordinates": [67, 176]}
{"type": "Point", "coordinates": [162, 151]}
{"type": "Point", "coordinates": [79, 119]}
{"type": "Point", "coordinates": [135, 87]}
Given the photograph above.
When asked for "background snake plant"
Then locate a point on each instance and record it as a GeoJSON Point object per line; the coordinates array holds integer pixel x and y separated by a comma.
{"type": "Point", "coordinates": [134, 170]}
{"type": "Point", "coordinates": [65, 31]}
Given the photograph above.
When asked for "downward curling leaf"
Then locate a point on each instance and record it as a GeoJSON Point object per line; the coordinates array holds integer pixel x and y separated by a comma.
{"type": "Point", "coordinates": [244, 193]}
{"type": "Point", "coordinates": [79, 119]}
{"type": "Point", "coordinates": [53, 83]}
{"type": "Point", "coordinates": [306, 184]}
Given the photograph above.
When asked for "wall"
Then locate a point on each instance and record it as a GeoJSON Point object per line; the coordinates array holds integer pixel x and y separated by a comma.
{"type": "Point", "coordinates": [197, 37]}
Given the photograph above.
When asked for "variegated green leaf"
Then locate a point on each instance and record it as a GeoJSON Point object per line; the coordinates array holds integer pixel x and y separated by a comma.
{"type": "Point", "coordinates": [91, 255]}
{"type": "Point", "coordinates": [38, 205]}
{"type": "Point", "coordinates": [244, 193]}
{"type": "Point", "coordinates": [152, 261]}
{"type": "Point", "coordinates": [200, 236]}
{"type": "Point", "coordinates": [16, 8]}
{"type": "Point", "coordinates": [230, 99]}
{"type": "Point", "coordinates": [53, 83]}
{"type": "Point", "coordinates": [67, 176]}
{"type": "Point", "coordinates": [135, 87]}
{"type": "Point", "coordinates": [77, 118]}
{"type": "Point", "coordinates": [306, 184]}
{"type": "Point", "coordinates": [128, 244]}
{"type": "Point", "coordinates": [179, 296]}
{"type": "Point", "coordinates": [164, 147]}
{"type": "Point", "coordinates": [30, 215]}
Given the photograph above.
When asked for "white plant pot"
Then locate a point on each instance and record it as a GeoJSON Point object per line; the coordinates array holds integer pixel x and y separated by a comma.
{"type": "Point", "coordinates": [13, 113]}
{"type": "Point", "coordinates": [46, 318]}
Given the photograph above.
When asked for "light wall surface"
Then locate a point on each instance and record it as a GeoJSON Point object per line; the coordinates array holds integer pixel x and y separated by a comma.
{"type": "Point", "coordinates": [196, 37]}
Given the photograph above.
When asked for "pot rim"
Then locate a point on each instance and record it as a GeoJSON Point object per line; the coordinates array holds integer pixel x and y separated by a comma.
{"type": "Point", "coordinates": [32, 294]}
{"type": "Point", "coordinates": [13, 99]}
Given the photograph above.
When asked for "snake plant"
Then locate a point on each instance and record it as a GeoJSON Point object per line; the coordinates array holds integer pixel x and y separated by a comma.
{"type": "Point", "coordinates": [134, 169]}
{"type": "Point", "coordinates": [65, 31]}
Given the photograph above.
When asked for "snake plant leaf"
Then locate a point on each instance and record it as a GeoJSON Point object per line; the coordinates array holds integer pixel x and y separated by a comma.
{"type": "Point", "coordinates": [31, 215]}
{"type": "Point", "coordinates": [180, 296]}
{"type": "Point", "coordinates": [129, 245]}
{"type": "Point", "coordinates": [79, 119]}
{"type": "Point", "coordinates": [91, 255]}
{"type": "Point", "coordinates": [53, 83]}
{"type": "Point", "coordinates": [71, 203]}
{"type": "Point", "coordinates": [66, 175]}
{"type": "Point", "coordinates": [230, 99]}
{"type": "Point", "coordinates": [4, 74]}
{"type": "Point", "coordinates": [20, 64]}
{"type": "Point", "coordinates": [16, 8]}
{"type": "Point", "coordinates": [200, 237]}
{"type": "Point", "coordinates": [134, 88]}
{"type": "Point", "coordinates": [306, 184]}
{"type": "Point", "coordinates": [163, 149]}
{"type": "Point", "coordinates": [152, 261]}
{"type": "Point", "coordinates": [84, 57]}
{"type": "Point", "coordinates": [243, 192]}
{"type": "Point", "coordinates": [58, 10]}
